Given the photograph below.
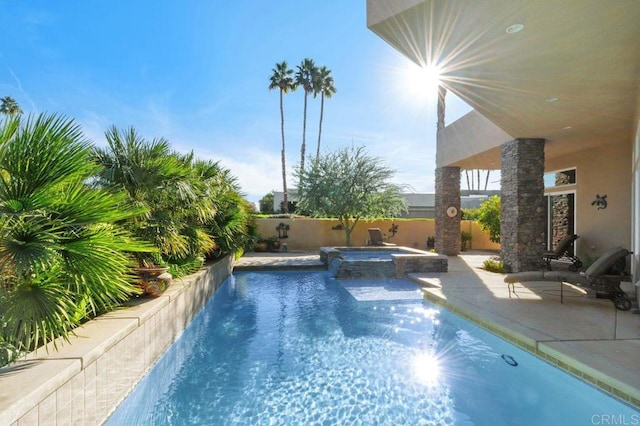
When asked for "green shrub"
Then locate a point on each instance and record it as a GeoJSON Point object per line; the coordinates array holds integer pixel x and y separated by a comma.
{"type": "Point", "coordinates": [493, 265]}
{"type": "Point", "coordinates": [469, 214]}
{"type": "Point", "coordinates": [489, 218]}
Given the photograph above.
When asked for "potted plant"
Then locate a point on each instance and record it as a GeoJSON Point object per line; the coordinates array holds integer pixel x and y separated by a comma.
{"type": "Point", "coordinates": [431, 242]}
{"type": "Point", "coordinates": [153, 279]}
{"type": "Point", "coordinates": [465, 240]}
{"type": "Point", "coordinates": [262, 245]}
{"type": "Point", "coordinates": [274, 244]}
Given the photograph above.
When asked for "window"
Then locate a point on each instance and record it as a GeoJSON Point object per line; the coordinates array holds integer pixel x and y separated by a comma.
{"type": "Point", "coordinates": [560, 178]}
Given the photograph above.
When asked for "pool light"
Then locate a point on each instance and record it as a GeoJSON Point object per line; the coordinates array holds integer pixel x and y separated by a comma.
{"type": "Point", "coordinates": [515, 28]}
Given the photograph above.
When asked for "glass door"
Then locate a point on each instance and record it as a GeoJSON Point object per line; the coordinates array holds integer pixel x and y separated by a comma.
{"type": "Point", "coordinates": [560, 218]}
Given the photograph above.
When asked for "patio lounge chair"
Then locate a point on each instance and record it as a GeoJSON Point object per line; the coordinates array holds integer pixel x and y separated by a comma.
{"type": "Point", "coordinates": [562, 253]}
{"type": "Point", "coordinates": [597, 278]}
{"type": "Point", "coordinates": [376, 239]}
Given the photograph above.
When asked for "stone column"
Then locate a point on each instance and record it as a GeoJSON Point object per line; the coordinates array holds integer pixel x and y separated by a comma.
{"type": "Point", "coordinates": [522, 210]}
{"type": "Point", "coordinates": [448, 211]}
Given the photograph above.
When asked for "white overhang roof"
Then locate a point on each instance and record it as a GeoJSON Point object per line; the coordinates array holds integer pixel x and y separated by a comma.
{"type": "Point", "coordinates": [571, 75]}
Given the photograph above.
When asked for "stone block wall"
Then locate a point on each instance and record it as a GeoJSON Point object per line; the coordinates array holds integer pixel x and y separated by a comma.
{"type": "Point", "coordinates": [354, 269]}
{"type": "Point", "coordinates": [447, 196]}
{"type": "Point", "coordinates": [408, 264]}
{"type": "Point", "coordinates": [522, 226]}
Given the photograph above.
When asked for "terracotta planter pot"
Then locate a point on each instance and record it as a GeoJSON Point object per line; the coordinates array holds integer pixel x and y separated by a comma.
{"type": "Point", "coordinates": [274, 245]}
{"type": "Point", "coordinates": [154, 280]}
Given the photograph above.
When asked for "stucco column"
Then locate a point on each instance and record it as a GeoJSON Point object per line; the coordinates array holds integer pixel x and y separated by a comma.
{"type": "Point", "coordinates": [448, 211]}
{"type": "Point", "coordinates": [522, 220]}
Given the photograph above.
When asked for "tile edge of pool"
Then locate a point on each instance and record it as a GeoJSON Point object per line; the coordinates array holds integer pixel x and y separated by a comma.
{"type": "Point", "coordinates": [544, 351]}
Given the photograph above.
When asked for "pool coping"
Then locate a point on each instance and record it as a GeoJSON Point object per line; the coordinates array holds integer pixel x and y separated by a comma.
{"type": "Point", "coordinates": [553, 352]}
{"type": "Point", "coordinates": [84, 380]}
{"type": "Point", "coordinates": [570, 356]}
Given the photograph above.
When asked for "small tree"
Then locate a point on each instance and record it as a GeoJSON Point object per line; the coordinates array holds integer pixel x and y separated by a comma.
{"type": "Point", "coordinates": [350, 185]}
{"type": "Point", "coordinates": [266, 203]}
{"type": "Point", "coordinates": [489, 217]}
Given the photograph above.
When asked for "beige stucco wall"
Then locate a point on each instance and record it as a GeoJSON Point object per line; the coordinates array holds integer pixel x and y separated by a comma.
{"type": "Point", "coordinates": [311, 234]}
{"type": "Point", "coordinates": [601, 171]}
{"type": "Point", "coordinates": [635, 196]}
{"type": "Point", "coordinates": [472, 135]}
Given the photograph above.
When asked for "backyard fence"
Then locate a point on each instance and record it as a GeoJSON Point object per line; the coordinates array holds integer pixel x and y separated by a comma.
{"type": "Point", "coordinates": [302, 233]}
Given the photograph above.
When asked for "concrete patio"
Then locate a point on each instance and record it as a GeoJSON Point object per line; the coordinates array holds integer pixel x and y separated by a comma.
{"type": "Point", "coordinates": [585, 336]}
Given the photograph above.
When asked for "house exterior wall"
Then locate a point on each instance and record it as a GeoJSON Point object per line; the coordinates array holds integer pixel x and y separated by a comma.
{"type": "Point", "coordinates": [635, 199]}
{"type": "Point", "coordinates": [605, 170]}
{"type": "Point", "coordinates": [471, 135]}
{"type": "Point", "coordinates": [588, 114]}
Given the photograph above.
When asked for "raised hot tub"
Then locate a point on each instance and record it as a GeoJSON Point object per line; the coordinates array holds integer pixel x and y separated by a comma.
{"type": "Point", "coordinates": [380, 262]}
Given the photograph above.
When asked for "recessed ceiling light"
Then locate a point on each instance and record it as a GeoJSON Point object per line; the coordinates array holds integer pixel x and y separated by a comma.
{"type": "Point", "coordinates": [515, 28]}
{"type": "Point", "coordinates": [551, 100]}
{"type": "Point", "coordinates": [567, 128]}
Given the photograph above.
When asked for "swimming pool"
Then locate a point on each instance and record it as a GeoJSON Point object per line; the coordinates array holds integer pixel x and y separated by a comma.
{"type": "Point", "coordinates": [305, 348]}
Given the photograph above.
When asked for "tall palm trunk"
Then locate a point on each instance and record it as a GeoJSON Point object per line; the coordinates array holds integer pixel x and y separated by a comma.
{"type": "Point", "coordinates": [303, 148]}
{"type": "Point", "coordinates": [323, 84]}
{"type": "Point", "coordinates": [285, 207]}
{"type": "Point", "coordinates": [320, 125]}
{"type": "Point", "coordinates": [305, 77]}
{"type": "Point", "coordinates": [441, 109]}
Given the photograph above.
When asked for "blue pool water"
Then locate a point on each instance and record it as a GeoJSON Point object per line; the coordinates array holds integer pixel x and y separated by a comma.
{"type": "Point", "coordinates": [304, 348]}
{"type": "Point", "coordinates": [370, 254]}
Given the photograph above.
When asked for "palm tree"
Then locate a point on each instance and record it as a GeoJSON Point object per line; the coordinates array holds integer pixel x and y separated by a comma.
{"type": "Point", "coordinates": [305, 78]}
{"type": "Point", "coordinates": [10, 106]}
{"type": "Point", "coordinates": [282, 80]}
{"type": "Point", "coordinates": [168, 185]}
{"type": "Point", "coordinates": [323, 84]}
{"type": "Point", "coordinates": [441, 109]}
{"type": "Point", "coordinates": [230, 225]}
{"type": "Point", "coordinates": [63, 254]}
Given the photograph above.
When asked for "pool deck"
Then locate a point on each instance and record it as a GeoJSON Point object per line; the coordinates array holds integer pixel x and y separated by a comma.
{"type": "Point", "coordinates": [586, 336]}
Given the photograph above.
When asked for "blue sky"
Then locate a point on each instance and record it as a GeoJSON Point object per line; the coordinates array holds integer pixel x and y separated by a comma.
{"type": "Point", "coordinates": [196, 73]}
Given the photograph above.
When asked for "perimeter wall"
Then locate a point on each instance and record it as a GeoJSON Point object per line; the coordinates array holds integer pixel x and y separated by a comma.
{"type": "Point", "coordinates": [311, 234]}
